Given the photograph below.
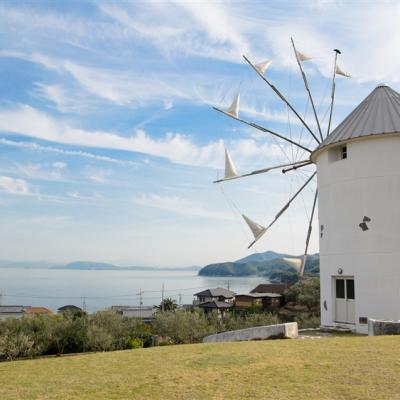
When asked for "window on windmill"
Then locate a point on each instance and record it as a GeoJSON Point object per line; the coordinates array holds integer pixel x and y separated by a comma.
{"type": "Point", "coordinates": [337, 153]}
{"type": "Point", "coordinates": [343, 152]}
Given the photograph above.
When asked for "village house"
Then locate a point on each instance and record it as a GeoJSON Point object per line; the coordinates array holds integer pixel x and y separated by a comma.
{"type": "Point", "coordinates": [217, 300]}
{"type": "Point", "coordinates": [69, 308]}
{"type": "Point", "coordinates": [146, 314]}
{"type": "Point", "coordinates": [263, 301]}
{"type": "Point", "coordinates": [215, 306]}
{"type": "Point", "coordinates": [217, 294]}
{"type": "Point", "coordinates": [13, 311]}
{"type": "Point", "coordinates": [278, 288]}
{"type": "Point", "coordinates": [38, 311]}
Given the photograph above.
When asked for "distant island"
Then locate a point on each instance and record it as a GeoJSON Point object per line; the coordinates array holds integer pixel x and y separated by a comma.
{"type": "Point", "coordinates": [270, 265]}
{"type": "Point", "coordinates": [86, 265]}
{"type": "Point", "coordinates": [89, 265]}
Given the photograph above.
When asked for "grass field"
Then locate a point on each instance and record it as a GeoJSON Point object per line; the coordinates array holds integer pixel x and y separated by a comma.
{"type": "Point", "coordinates": [334, 368]}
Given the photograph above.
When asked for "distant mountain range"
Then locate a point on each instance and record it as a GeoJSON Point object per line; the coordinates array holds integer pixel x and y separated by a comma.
{"type": "Point", "coordinates": [269, 265]}
{"type": "Point", "coordinates": [85, 265]}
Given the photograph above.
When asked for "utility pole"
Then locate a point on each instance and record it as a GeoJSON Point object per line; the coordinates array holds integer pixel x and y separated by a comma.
{"type": "Point", "coordinates": [162, 298]}
{"type": "Point", "coordinates": [180, 299]}
{"type": "Point", "coordinates": [1, 298]}
{"type": "Point", "coordinates": [84, 303]}
{"type": "Point", "coordinates": [140, 301]}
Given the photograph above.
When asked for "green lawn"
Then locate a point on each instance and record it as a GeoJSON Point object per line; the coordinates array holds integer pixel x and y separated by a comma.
{"type": "Point", "coordinates": [332, 368]}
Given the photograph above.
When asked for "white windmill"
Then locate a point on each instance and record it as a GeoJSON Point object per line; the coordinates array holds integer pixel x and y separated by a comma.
{"type": "Point", "coordinates": [358, 189]}
{"type": "Point", "coordinates": [231, 173]}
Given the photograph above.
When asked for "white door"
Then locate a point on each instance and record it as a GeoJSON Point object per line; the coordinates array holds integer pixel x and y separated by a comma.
{"type": "Point", "coordinates": [344, 300]}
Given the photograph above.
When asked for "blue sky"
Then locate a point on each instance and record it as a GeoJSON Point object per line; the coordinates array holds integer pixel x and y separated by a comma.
{"type": "Point", "coordinates": [109, 144]}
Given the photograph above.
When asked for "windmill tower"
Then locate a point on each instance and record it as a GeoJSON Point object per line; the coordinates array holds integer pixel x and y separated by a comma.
{"type": "Point", "coordinates": [358, 192]}
{"type": "Point", "coordinates": [359, 214]}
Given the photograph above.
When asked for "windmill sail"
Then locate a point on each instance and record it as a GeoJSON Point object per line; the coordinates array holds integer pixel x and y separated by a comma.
{"type": "Point", "coordinates": [255, 228]}
{"type": "Point", "coordinates": [339, 71]}
{"type": "Point", "coordinates": [263, 66]}
{"type": "Point", "coordinates": [234, 107]}
{"type": "Point", "coordinates": [301, 56]}
{"type": "Point", "coordinates": [230, 170]}
{"type": "Point", "coordinates": [295, 263]}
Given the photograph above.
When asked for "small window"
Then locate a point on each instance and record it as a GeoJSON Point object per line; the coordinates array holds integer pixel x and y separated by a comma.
{"type": "Point", "coordinates": [343, 152]}
{"type": "Point", "coordinates": [337, 153]}
{"type": "Point", "coordinates": [350, 288]}
{"type": "Point", "coordinates": [340, 289]}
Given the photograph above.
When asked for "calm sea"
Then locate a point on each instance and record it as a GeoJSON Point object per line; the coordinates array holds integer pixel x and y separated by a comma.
{"type": "Point", "coordinates": [101, 289]}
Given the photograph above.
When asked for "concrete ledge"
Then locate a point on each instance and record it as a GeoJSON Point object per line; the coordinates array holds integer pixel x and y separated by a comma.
{"type": "Point", "coordinates": [280, 331]}
{"type": "Point", "coordinates": [377, 327]}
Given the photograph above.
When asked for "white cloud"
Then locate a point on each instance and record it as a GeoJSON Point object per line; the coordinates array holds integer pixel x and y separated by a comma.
{"type": "Point", "coordinates": [179, 205]}
{"type": "Point", "coordinates": [176, 147]}
{"type": "Point", "coordinates": [98, 175]}
{"type": "Point", "coordinates": [14, 186]}
{"type": "Point", "coordinates": [40, 171]}
{"type": "Point", "coordinates": [65, 152]}
{"type": "Point", "coordinates": [59, 165]}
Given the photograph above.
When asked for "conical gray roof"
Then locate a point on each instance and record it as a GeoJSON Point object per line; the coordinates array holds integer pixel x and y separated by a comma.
{"type": "Point", "coordinates": [377, 114]}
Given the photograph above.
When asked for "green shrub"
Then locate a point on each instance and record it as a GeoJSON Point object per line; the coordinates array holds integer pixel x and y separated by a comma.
{"type": "Point", "coordinates": [306, 292]}
{"type": "Point", "coordinates": [182, 326]}
{"type": "Point", "coordinates": [136, 343]}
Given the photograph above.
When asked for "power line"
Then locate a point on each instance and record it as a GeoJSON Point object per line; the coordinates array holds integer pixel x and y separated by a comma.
{"type": "Point", "coordinates": [140, 294]}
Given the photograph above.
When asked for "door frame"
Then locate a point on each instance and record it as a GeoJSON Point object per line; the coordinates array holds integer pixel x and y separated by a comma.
{"type": "Point", "coordinates": [334, 279]}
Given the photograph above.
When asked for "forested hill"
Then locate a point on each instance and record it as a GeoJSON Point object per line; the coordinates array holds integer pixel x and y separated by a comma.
{"type": "Point", "coordinates": [269, 265]}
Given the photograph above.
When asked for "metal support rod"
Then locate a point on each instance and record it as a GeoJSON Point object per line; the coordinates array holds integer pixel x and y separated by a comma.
{"type": "Point", "coordinates": [264, 170]}
{"type": "Point", "coordinates": [303, 263]}
{"type": "Point", "coordinates": [303, 164]}
{"type": "Point", "coordinates": [333, 90]}
{"type": "Point", "coordinates": [260, 128]}
{"type": "Point", "coordinates": [282, 97]}
{"type": "Point", "coordinates": [284, 208]}
{"type": "Point", "coordinates": [308, 89]}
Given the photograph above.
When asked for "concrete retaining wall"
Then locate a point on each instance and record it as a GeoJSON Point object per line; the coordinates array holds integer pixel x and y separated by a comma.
{"type": "Point", "coordinates": [288, 330]}
{"type": "Point", "coordinates": [378, 327]}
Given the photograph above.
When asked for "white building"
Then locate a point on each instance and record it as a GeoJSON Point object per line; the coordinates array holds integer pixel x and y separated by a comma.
{"type": "Point", "coordinates": [358, 168]}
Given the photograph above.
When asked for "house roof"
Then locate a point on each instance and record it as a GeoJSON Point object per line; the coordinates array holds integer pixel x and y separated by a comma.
{"type": "Point", "coordinates": [259, 295]}
{"type": "Point", "coordinates": [69, 307]}
{"type": "Point", "coordinates": [217, 292]}
{"type": "Point", "coordinates": [12, 309]}
{"type": "Point", "coordinates": [377, 114]}
{"type": "Point", "coordinates": [38, 310]}
{"type": "Point", "coordinates": [216, 304]}
{"type": "Point", "coordinates": [270, 288]}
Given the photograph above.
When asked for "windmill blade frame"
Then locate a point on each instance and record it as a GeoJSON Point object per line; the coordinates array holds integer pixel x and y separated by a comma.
{"type": "Point", "coordinates": [260, 128]}
{"type": "Point", "coordinates": [282, 97]}
{"type": "Point", "coordinates": [284, 208]}
{"type": "Point", "coordinates": [297, 53]}
{"type": "Point", "coordinates": [297, 164]}
{"type": "Point", "coordinates": [303, 265]}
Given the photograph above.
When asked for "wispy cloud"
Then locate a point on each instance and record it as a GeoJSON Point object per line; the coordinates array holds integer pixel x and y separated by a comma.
{"type": "Point", "coordinates": [65, 152]}
{"type": "Point", "coordinates": [179, 205]}
{"type": "Point", "coordinates": [14, 186]}
{"type": "Point", "coordinates": [50, 172]}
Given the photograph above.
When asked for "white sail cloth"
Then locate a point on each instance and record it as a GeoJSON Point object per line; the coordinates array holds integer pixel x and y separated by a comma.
{"type": "Point", "coordinates": [230, 169]}
{"type": "Point", "coordinates": [234, 107]}
{"type": "Point", "coordinates": [255, 228]}
{"type": "Point", "coordinates": [295, 263]}
{"type": "Point", "coordinates": [301, 56]}
{"type": "Point", "coordinates": [339, 71]}
{"type": "Point", "coordinates": [263, 66]}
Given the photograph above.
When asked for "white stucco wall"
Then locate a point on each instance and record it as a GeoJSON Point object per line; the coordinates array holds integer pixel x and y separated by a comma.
{"type": "Point", "coordinates": [366, 183]}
